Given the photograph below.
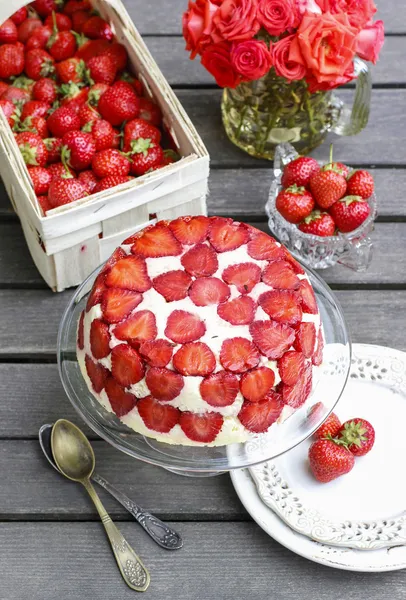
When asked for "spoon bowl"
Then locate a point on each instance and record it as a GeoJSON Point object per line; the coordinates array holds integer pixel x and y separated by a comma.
{"type": "Point", "coordinates": [72, 451]}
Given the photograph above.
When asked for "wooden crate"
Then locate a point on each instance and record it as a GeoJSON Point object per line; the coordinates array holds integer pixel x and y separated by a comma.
{"type": "Point", "coordinates": [72, 240]}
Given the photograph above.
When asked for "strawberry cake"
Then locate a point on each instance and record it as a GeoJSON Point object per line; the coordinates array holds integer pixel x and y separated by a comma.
{"type": "Point", "coordinates": [200, 331]}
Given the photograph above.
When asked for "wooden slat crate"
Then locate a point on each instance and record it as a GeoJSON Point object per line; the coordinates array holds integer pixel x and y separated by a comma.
{"type": "Point", "coordinates": [72, 240]}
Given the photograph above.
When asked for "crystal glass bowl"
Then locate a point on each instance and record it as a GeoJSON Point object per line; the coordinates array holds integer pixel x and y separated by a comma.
{"type": "Point", "coordinates": [354, 249]}
{"type": "Point", "coordinates": [329, 381]}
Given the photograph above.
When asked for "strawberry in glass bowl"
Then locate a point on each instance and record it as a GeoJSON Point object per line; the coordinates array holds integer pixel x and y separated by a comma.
{"type": "Point", "coordinates": [324, 214]}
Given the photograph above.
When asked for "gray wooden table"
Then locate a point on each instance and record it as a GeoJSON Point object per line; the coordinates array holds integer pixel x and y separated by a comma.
{"type": "Point", "coordinates": [51, 543]}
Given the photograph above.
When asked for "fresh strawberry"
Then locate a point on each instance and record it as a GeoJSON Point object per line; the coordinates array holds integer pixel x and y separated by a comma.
{"type": "Point", "coordinates": [157, 353]}
{"type": "Point", "coordinates": [97, 374]}
{"type": "Point", "coordinates": [117, 255]}
{"type": "Point", "coordinates": [239, 311]}
{"type": "Point", "coordinates": [38, 63]}
{"type": "Point", "coordinates": [79, 18]}
{"type": "Point", "coordinates": [318, 223]}
{"type": "Point", "coordinates": [164, 384]}
{"type": "Point", "coordinates": [317, 358]}
{"type": "Point", "coordinates": [259, 416]}
{"type": "Point", "coordinates": [110, 162]}
{"type": "Point", "coordinates": [238, 355]}
{"type": "Point", "coordinates": [11, 61]}
{"type": "Point", "coordinates": [340, 168]}
{"type": "Point", "coordinates": [19, 16]}
{"type": "Point", "coordinates": [117, 304]}
{"type": "Point", "coordinates": [73, 96]}
{"type": "Point", "coordinates": [111, 181]}
{"type": "Point", "coordinates": [44, 7]}
{"type": "Point", "coordinates": [16, 95]}
{"type": "Point", "coordinates": [129, 273]}
{"type": "Point", "coordinates": [200, 261]}
{"type": "Point", "coordinates": [137, 328]}
{"type": "Point", "coordinates": [173, 285]}
{"type": "Point", "coordinates": [329, 460]}
{"type": "Point", "coordinates": [201, 428]}
{"type": "Point", "coordinates": [126, 365]}
{"type": "Point", "coordinates": [280, 276]}
{"type": "Point", "coordinates": [99, 339]}
{"type": "Point", "coordinates": [150, 111]}
{"type": "Point", "coordinates": [183, 326]}
{"type": "Point", "coordinates": [138, 128]}
{"type": "Point", "coordinates": [8, 32]}
{"type": "Point", "coordinates": [305, 339]}
{"type": "Point", "coordinates": [9, 111]}
{"type": "Point", "coordinates": [45, 90]}
{"type": "Point", "coordinates": [194, 359]}
{"type": "Point", "coordinates": [208, 290]}
{"type": "Point", "coordinates": [188, 230]}
{"type": "Point", "coordinates": [44, 203]}
{"type": "Point", "coordinates": [329, 428]}
{"type": "Point", "coordinates": [219, 389]}
{"type": "Point", "coordinates": [327, 186]}
{"type": "Point", "coordinates": [97, 28]}
{"type": "Point", "coordinates": [32, 148]}
{"type": "Point", "coordinates": [41, 180]}
{"type": "Point", "coordinates": [118, 53]}
{"type": "Point", "coordinates": [145, 155]}
{"type": "Point", "coordinates": [263, 247]}
{"type": "Point", "coordinates": [361, 183]}
{"type": "Point", "coordinates": [81, 331]}
{"type": "Point", "coordinates": [39, 38]}
{"type": "Point", "coordinates": [299, 171]}
{"type": "Point", "coordinates": [102, 69]}
{"type": "Point", "coordinates": [74, 5]}
{"type": "Point", "coordinates": [36, 125]}
{"type": "Point", "coordinates": [291, 366]}
{"type": "Point", "coordinates": [90, 48]}
{"type": "Point", "coordinates": [27, 28]}
{"type": "Point", "coordinates": [294, 203]}
{"type": "Point", "coordinates": [96, 92]}
{"type": "Point", "coordinates": [34, 108]}
{"type": "Point", "coordinates": [244, 276]}
{"type": "Point", "coordinates": [103, 133]}
{"type": "Point", "coordinates": [256, 384]}
{"type": "Point", "coordinates": [78, 149]}
{"type": "Point", "coordinates": [89, 180]}
{"type": "Point", "coordinates": [97, 291]}
{"type": "Point", "coordinates": [350, 212]}
{"type": "Point", "coordinates": [154, 242]}
{"type": "Point", "coordinates": [63, 120]}
{"type": "Point", "coordinates": [136, 83]}
{"type": "Point", "coordinates": [358, 435]}
{"type": "Point", "coordinates": [72, 70]}
{"type": "Point", "coordinates": [271, 338]}
{"type": "Point", "coordinates": [63, 191]}
{"type": "Point", "coordinates": [309, 303]}
{"type": "Point", "coordinates": [226, 234]}
{"type": "Point", "coordinates": [282, 306]}
{"type": "Point", "coordinates": [122, 402]}
{"type": "Point", "coordinates": [87, 116]}
{"type": "Point", "coordinates": [119, 103]}
{"type": "Point", "coordinates": [58, 171]}
{"type": "Point", "coordinates": [296, 395]}
{"type": "Point", "coordinates": [61, 45]}
{"type": "Point", "coordinates": [63, 22]}
{"type": "Point", "coordinates": [157, 416]}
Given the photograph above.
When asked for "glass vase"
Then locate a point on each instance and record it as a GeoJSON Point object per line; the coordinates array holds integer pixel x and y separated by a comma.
{"type": "Point", "coordinates": [259, 115]}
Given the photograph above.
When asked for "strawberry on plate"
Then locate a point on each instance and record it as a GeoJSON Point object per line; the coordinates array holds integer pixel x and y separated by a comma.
{"type": "Point", "coordinates": [164, 384]}
{"type": "Point", "coordinates": [208, 290]}
{"type": "Point", "coordinates": [271, 338]}
{"type": "Point", "coordinates": [350, 212]}
{"type": "Point", "coordinates": [194, 359]}
{"type": "Point", "coordinates": [294, 203]}
{"type": "Point", "coordinates": [329, 429]}
{"type": "Point", "coordinates": [263, 247]}
{"type": "Point", "coordinates": [118, 303]}
{"type": "Point", "coordinates": [329, 460]}
{"type": "Point", "coordinates": [154, 242]}
{"type": "Point", "coordinates": [226, 234]}
{"type": "Point", "coordinates": [126, 365]}
{"type": "Point", "coordinates": [244, 276]}
{"type": "Point", "coordinates": [201, 428]}
{"type": "Point", "coordinates": [318, 223]}
{"type": "Point", "coordinates": [291, 366]}
{"type": "Point", "coordinates": [259, 416]}
{"type": "Point", "coordinates": [257, 383]}
{"type": "Point", "coordinates": [122, 402]}
{"type": "Point", "coordinates": [296, 395]}
{"type": "Point", "coordinates": [200, 261]}
{"type": "Point", "coordinates": [299, 171]}
{"type": "Point", "coordinates": [139, 327]}
{"type": "Point", "coordinates": [358, 435]}
{"type": "Point", "coordinates": [182, 327]}
{"type": "Point", "coordinates": [282, 306]}
{"type": "Point", "coordinates": [305, 339]}
{"type": "Point", "coordinates": [97, 374]}
{"type": "Point", "coordinates": [219, 389]}
{"type": "Point", "coordinates": [280, 275]}
{"type": "Point", "coordinates": [129, 273]}
{"type": "Point", "coordinates": [188, 230]}
{"type": "Point", "coordinates": [99, 339]}
{"type": "Point", "coordinates": [361, 183]}
{"type": "Point", "coordinates": [157, 416]}
{"type": "Point", "coordinates": [173, 285]}
{"type": "Point", "coordinates": [157, 353]}
{"type": "Point", "coordinates": [309, 302]}
{"type": "Point", "coordinates": [238, 311]}
{"type": "Point", "coordinates": [238, 355]}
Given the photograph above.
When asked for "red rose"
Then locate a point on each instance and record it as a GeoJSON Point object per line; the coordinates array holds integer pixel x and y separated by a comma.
{"type": "Point", "coordinates": [197, 25]}
{"type": "Point", "coordinates": [315, 86]}
{"type": "Point", "coordinates": [217, 60]}
{"type": "Point", "coordinates": [284, 67]}
{"type": "Point", "coordinates": [251, 59]}
{"type": "Point", "coordinates": [325, 45]}
{"type": "Point", "coordinates": [277, 16]}
{"type": "Point", "coordinates": [370, 41]}
{"type": "Point", "coordinates": [359, 11]}
{"type": "Point", "coordinates": [235, 20]}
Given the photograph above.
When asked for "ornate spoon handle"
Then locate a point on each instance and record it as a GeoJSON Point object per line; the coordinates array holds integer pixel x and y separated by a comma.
{"type": "Point", "coordinates": [131, 567]}
{"type": "Point", "coordinates": [160, 532]}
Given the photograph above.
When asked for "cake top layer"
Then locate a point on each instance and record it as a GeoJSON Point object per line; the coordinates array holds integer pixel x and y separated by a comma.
{"type": "Point", "coordinates": [198, 320]}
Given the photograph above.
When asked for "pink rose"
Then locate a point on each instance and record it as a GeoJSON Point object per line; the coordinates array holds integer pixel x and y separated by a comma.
{"type": "Point", "coordinates": [216, 58]}
{"type": "Point", "coordinates": [197, 25]}
{"type": "Point", "coordinates": [325, 45]}
{"type": "Point", "coordinates": [359, 11]}
{"type": "Point", "coordinates": [370, 41]}
{"type": "Point", "coordinates": [278, 16]}
{"type": "Point", "coordinates": [235, 20]}
{"type": "Point", "coordinates": [251, 59]}
{"type": "Point", "coordinates": [284, 67]}
{"type": "Point", "coordinates": [309, 6]}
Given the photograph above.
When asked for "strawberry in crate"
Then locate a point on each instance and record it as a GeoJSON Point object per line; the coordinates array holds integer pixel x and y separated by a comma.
{"type": "Point", "coordinates": [71, 101]}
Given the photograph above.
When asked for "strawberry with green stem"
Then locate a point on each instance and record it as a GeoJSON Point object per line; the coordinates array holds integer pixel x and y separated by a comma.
{"type": "Point", "coordinates": [62, 44]}
{"type": "Point", "coordinates": [78, 150]}
{"type": "Point", "coordinates": [318, 223]}
{"type": "Point", "coordinates": [38, 63]}
{"type": "Point", "coordinates": [350, 212]}
{"type": "Point", "coordinates": [328, 184]}
{"type": "Point", "coordinates": [32, 148]}
{"type": "Point", "coordinates": [358, 435]}
{"type": "Point", "coordinates": [145, 155]}
{"type": "Point", "coordinates": [361, 183]}
{"type": "Point", "coordinates": [294, 203]}
{"type": "Point", "coordinates": [329, 460]}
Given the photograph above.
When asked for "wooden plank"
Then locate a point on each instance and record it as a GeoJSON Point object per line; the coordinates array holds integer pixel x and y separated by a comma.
{"type": "Point", "coordinates": [29, 319]}
{"type": "Point", "coordinates": [231, 561]}
{"type": "Point", "coordinates": [32, 489]}
{"type": "Point", "coordinates": [169, 20]}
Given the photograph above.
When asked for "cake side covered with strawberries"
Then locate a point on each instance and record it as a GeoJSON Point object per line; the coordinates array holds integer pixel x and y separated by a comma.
{"type": "Point", "coordinates": [200, 331]}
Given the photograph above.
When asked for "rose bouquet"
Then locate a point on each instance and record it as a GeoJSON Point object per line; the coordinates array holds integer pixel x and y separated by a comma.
{"type": "Point", "coordinates": [278, 61]}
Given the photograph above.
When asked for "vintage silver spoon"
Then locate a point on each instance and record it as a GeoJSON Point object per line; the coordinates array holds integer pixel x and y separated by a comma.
{"type": "Point", "coordinates": [160, 532]}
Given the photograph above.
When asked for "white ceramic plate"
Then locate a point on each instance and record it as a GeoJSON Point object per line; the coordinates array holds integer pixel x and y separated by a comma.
{"type": "Point", "coordinates": [364, 509]}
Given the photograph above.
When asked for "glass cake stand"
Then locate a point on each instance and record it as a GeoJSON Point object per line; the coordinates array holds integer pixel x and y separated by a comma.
{"type": "Point", "coordinates": [329, 381]}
